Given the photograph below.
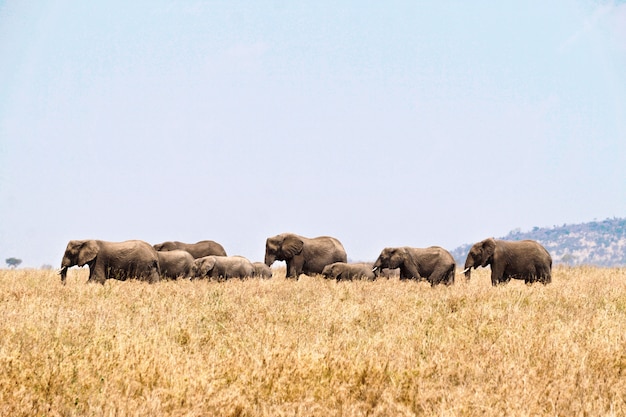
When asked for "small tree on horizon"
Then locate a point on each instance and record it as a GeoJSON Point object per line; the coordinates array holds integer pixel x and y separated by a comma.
{"type": "Point", "coordinates": [13, 262]}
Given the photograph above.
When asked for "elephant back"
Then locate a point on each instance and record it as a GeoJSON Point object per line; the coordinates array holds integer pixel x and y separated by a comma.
{"type": "Point", "coordinates": [327, 246]}
{"type": "Point", "coordinates": [205, 248]}
{"type": "Point", "coordinates": [197, 250]}
{"type": "Point", "coordinates": [321, 251]}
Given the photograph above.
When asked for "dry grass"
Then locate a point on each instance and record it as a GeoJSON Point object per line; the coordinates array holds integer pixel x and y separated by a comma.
{"type": "Point", "coordinates": [313, 347]}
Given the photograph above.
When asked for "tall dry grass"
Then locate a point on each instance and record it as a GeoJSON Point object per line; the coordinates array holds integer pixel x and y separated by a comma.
{"type": "Point", "coordinates": [313, 347]}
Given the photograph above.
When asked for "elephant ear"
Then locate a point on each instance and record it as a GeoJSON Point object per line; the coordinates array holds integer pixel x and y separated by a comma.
{"type": "Point", "coordinates": [410, 262]}
{"type": "Point", "coordinates": [489, 247]}
{"type": "Point", "coordinates": [292, 245]}
{"type": "Point", "coordinates": [208, 265]}
{"type": "Point", "coordinates": [87, 252]}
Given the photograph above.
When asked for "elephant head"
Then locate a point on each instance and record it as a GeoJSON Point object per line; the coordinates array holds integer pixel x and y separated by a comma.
{"type": "Point", "coordinates": [480, 255]}
{"type": "Point", "coordinates": [282, 248]}
{"type": "Point", "coordinates": [328, 271]}
{"type": "Point", "coordinates": [80, 253]}
{"type": "Point", "coordinates": [202, 267]}
{"type": "Point", "coordinates": [392, 258]}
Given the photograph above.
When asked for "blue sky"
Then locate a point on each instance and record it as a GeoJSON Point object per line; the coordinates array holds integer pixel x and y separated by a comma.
{"type": "Point", "coordinates": [380, 123]}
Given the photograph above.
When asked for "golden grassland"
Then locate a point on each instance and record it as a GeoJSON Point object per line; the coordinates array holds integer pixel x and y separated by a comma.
{"type": "Point", "coordinates": [313, 347]}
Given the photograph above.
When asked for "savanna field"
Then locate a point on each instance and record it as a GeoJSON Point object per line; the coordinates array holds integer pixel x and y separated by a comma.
{"type": "Point", "coordinates": [313, 347]}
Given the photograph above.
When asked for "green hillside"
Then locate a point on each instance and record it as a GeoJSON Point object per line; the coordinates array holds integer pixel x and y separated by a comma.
{"type": "Point", "coordinates": [601, 243]}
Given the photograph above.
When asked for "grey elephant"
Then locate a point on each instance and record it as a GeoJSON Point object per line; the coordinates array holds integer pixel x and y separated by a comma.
{"type": "Point", "coordinates": [197, 250]}
{"type": "Point", "coordinates": [222, 267]}
{"type": "Point", "coordinates": [349, 271]}
{"type": "Point", "coordinates": [261, 270]}
{"type": "Point", "coordinates": [303, 255]}
{"type": "Point", "coordinates": [175, 264]}
{"type": "Point", "coordinates": [117, 260]}
{"type": "Point", "coordinates": [433, 264]}
{"type": "Point", "coordinates": [525, 259]}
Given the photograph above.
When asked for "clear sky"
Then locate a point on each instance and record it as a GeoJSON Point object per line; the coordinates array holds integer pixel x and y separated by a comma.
{"type": "Point", "coordinates": [389, 123]}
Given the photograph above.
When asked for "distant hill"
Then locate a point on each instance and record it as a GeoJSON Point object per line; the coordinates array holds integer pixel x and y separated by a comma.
{"type": "Point", "coordinates": [601, 243]}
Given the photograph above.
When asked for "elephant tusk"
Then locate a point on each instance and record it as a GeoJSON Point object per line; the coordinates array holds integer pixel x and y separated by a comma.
{"type": "Point", "coordinates": [374, 269]}
{"type": "Point", "coordinates": [466, 269]}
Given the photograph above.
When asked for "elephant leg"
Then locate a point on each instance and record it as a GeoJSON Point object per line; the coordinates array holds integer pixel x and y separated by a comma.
{"type": "Point", "coordinates": [497, 275]}
{"type": "Point", "coordinates": [97, 274]}
{"type": "Point", "coordinates": [154, 276]}
{"type": "Point", "coordinates": [544, 275]}
{"type": "Point", "coordinates": [547, 278]}
{"type": "Point", "coordinates": [494, 279]}
{"type": "Point", "coordinates": [450, 275]}
{"type": "Point", "coordinates": [294, 267]}
{"type": "Point", "coordinates": [505, 277]}
{"type": "Point", "coordinates": [92, 277]}
{"type": "Point", "coordinates": [291, 270]}
{"type": "Point", "coordinates": [444, 275]}
{"type": "Point", "coordinates": [409, 273]}
{"type": "Point", "coordinates": [434, 278]}
{"type": "Point", "coordinates": [438, 276]}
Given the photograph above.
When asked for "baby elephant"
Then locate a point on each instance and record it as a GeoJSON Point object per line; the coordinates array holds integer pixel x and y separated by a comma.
{"type": "Point", "coordinates": [433, 264]}
{"type": "Point", "coordinates": [342, 270]}
{"type": "Point", "coordinates": [261, 270]}
{"type": "Point", "coordinates": [222, 267]}
{"type": "Point", "coordinates": [175, 264]}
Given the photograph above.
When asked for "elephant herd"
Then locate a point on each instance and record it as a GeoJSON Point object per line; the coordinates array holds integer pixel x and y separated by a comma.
{"type": "Point", "coordinates": [325, 255]}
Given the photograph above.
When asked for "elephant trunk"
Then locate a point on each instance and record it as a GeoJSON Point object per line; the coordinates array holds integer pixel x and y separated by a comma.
{"type": "Point", "coordinates": [269, 259]}
{"type": "Point", "coordinates": [63, 273]}
{"type": "Point", "coordinates": [66, 263]}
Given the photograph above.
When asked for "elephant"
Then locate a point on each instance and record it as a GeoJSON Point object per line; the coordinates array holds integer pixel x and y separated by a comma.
{"type": "Point", "coordinates": [223, 267]}
{"type": "Point", "coordinates": [197, 250]}
{"type": "Point", "coordinates": [303, 255]}
{"type": "Point", "coordinates": [433, 264]}
{"type": "Point", "coordinates": [261, 270]}
{"type": "Point", "coordinates": [348, 271]}
{"type": "Point", "coordinates": [175, 263]}
{"type": "Point", "coordinates": [117, 260]}
{"type": "Point", "coordinates": [525, 259]}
